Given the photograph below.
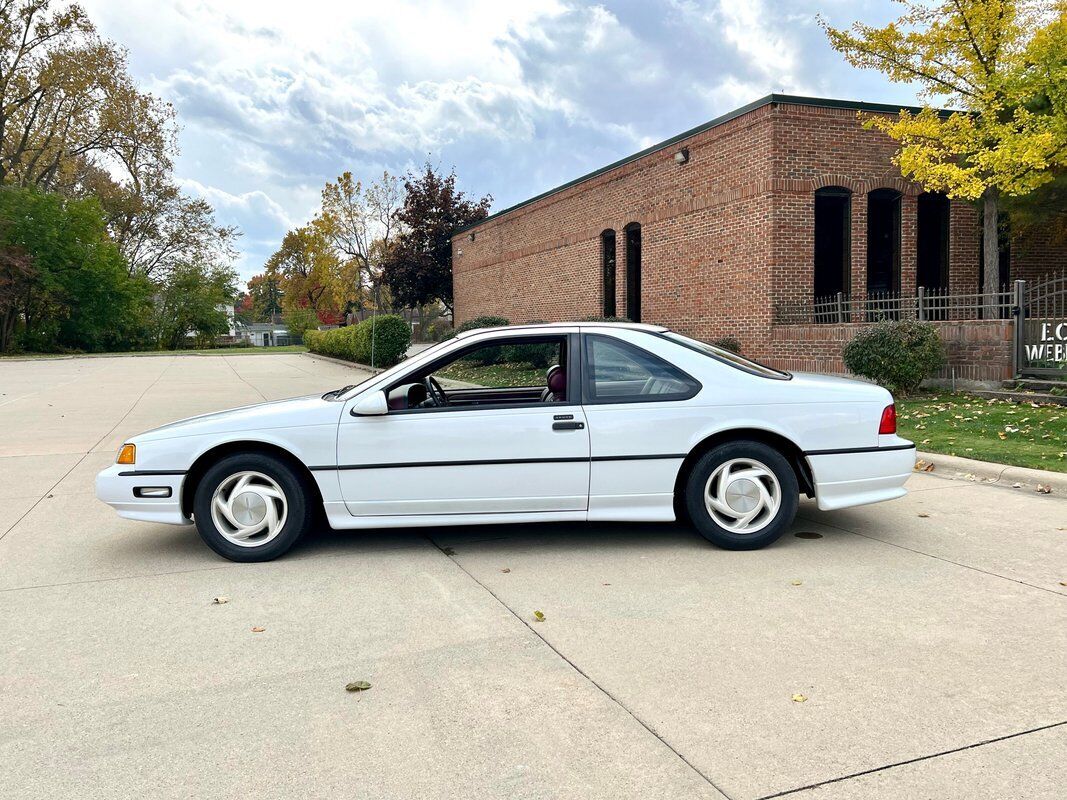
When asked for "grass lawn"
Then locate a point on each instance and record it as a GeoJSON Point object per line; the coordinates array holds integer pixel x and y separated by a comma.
{"type": "Point", "coordinates": [496, 376]}
{"type": "Point", "coordinates": [212, 351]}
{"type": "Point", "coordinates": [957, 424]}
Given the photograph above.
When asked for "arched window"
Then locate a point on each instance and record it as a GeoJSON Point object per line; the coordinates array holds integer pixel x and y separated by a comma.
{"type": "Point", "coordinates": [833, 234]}
{"type": "Point", "coordinates": [931, 236]}
{"type": "Point", "coordinates": [883, 242]}
{"type": "Point", "coordinates": [607, 262]}
{"type": "Point", "coordinates": [633, 271]}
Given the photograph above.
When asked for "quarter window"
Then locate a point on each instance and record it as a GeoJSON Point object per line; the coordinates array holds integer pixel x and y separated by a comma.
{"type": "Point", "coordinates": [619, 372]}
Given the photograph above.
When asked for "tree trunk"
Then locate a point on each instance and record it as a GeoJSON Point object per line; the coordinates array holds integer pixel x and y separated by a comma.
{"type": "Point", "coordinates": [991, 251]}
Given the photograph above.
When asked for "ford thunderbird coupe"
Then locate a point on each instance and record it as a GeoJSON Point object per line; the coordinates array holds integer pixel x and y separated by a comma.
{"type": "Point", "coordinates": [530, 423]}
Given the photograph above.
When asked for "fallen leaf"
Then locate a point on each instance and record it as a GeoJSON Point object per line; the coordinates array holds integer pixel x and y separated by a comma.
{"type": "Point", "coordinates": [1002, 435]}
{"type": "Point", "coordinates": [799, 698]}
{"type": "Point", "coordinates": [1063, 583]}
{"type": "Point", "coordinates": [1016, 486]}
{"type": "Point", "coordinates": [357, 686]}
{"type": "Point", "coordinates": [924, 516]}
{"type": "Point", "coordinates": [797, 583]}
{"type": "Point", "coordinates": [220, 601]}
{"type": "Point", "coordinates": [929, 467]}
{"type": "Point", "coordinates": [539, 617]}
{"type": "Point", "coordinates": [506, 569]}
{"type": "Point", "coordinates": [258, 629]}
{"type": "Point", "coordinates": [605, 584]}
{"type": "Point", "coordinates": [1044, 488]}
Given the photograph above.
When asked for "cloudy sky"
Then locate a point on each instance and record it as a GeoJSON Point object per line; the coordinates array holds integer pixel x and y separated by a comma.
{"type": "Point", "coordinates": [275, 98]}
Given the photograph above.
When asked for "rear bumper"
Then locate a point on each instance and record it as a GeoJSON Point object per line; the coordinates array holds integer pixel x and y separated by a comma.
{"type": "Point", "coordinates": [858, 477]}
{"type": "Point", "coordinates": [118, 486]}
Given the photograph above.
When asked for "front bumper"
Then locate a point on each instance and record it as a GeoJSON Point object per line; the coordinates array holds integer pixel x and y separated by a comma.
{"type": "Point", "coordinates": [845, 479]}
{"type": "Point", "coordinates": [120, 484]}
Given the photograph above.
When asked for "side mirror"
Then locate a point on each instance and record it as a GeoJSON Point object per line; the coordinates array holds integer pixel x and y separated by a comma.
{"type": "Point", "coordinates": [374, 405]}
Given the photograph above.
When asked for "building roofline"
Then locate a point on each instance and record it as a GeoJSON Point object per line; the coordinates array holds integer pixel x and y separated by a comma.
{"type": "Point", "coordinates": [771, 99]}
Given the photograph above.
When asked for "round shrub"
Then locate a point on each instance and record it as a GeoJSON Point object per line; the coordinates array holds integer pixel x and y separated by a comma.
{"type": "Point", "coordinates": [731, 343]}
{"type": "Point", "coordinates": [897, 354]}
{"type": "Point", "coordinates": [392, 338]}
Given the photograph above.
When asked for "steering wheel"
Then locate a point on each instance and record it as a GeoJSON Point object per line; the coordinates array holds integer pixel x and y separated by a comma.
{"type": "Point", "coordinates": [434, 390]}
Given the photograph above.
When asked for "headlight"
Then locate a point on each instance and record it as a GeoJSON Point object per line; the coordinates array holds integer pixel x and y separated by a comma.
{"type": "Point", "coordinates": [127, 455]}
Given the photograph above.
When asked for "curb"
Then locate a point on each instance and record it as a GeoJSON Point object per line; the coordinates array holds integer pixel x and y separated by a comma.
{"type": "Point", "coordinates": [969, 469]}
{"type": "Point", "coordinates": [343, 363]}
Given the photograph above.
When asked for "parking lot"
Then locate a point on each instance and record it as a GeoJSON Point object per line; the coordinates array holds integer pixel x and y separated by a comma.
{"type": "Point", "coordinates": [916, 648]}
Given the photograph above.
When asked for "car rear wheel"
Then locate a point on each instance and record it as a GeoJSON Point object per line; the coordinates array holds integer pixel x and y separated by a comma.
{"type": "Point", "coordinates": [251, 507]}
{"type": "Point", "coordinates": [742, 495]}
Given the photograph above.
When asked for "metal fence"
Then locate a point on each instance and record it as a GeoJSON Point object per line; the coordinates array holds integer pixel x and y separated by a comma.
{"type": "Point", "coordinates": [1041, 328]}
{"type": "Point", "coordinates": [925, 304]}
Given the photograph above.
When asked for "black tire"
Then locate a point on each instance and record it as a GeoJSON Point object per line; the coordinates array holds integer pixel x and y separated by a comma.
{"type": "Point", "coordinates": [299, 514]}
{"type": "Point", "coordinates": [767, 527]}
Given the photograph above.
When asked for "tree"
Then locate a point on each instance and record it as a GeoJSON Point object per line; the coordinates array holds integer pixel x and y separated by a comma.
{"type": "Point", "coordinates": [1004, 64]}
{"type": "Point", "coordinates": [68, 103]}
{"type": "Point", "coordinates": [266, 296]}
{"type": "Point", "coordinates": [418, 267]}
{"type": "Point", "coordinates": [194, 301]}
{"type": "Point", "coordinates": [65, 282]}
{"type": "Point", "coordinates": [360, 224]}
{"type": "Point", "coordinates": [304, 267]}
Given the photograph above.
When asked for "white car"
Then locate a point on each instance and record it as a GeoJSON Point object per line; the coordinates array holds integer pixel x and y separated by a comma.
{"type": "Point", "coordinates": [532, 423]}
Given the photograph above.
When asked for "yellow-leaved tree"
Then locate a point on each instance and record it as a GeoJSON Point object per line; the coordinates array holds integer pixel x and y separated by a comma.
{"type": "Point", "coordinates": [1003, 65]}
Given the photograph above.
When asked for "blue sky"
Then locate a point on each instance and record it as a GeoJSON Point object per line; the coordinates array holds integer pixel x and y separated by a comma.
{"type": "Point", "coordinates": [276, 98]}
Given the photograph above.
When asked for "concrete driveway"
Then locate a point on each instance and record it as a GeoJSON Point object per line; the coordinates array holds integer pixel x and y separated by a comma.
{"type": "Point", "coordinates": [928, 636]}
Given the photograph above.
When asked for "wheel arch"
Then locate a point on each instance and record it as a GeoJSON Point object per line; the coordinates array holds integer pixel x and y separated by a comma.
{"type": "Point", "coordinates": [212, 455]}
{"type": "Point", "coordinates": [786, 446]}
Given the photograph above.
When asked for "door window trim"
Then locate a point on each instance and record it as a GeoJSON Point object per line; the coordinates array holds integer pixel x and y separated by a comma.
{"type": "Point", "coordinates": [589, 396]}
{"type": "Point", "coordinates": [569, 340]}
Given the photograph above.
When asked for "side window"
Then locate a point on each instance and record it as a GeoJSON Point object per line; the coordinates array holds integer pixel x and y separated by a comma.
{"type": "Point", "coordinates": [495, 366]}
{"type": "Point", "coordinates": [619, 372]}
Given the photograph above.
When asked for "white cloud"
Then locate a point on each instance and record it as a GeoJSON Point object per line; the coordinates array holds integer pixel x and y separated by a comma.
{"type": "Point", "coordinates": [276, 98]}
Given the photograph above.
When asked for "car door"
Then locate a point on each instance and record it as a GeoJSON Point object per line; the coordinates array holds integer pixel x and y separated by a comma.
{"type": "Point", "coordinates": [640, 425]}
{"type": "Point", "coordinates": [486, 456]}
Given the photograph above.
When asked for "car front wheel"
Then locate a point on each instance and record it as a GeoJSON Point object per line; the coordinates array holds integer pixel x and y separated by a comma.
{"type": "Point", "coordinates": [251, 507]}
{"type": "Point", "coordinates": [742, 495]}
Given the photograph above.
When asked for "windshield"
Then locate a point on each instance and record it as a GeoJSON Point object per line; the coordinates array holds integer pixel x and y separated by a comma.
{"type": "Point", "coordinates": [731, 358]}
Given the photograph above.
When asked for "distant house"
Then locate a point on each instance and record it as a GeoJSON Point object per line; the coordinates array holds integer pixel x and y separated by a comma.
{"type": "Point", "coordinates": [265, 334]}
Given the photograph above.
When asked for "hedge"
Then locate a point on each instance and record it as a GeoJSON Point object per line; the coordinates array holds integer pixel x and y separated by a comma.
{"type": "Point", "coordinates": [392, 337]}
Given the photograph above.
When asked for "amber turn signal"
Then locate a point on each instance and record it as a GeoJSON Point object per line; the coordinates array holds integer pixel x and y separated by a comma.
{"type": "Point", "coordinates": [127, 455]}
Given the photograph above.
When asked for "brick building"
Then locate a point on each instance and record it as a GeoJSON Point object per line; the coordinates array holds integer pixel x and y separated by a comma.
{"type": "Point", "coordinates": [715, 231]}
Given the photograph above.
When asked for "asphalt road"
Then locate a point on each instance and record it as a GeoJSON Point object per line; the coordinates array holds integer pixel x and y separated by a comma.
{"type": "Point", "coordinates": [927, 636]}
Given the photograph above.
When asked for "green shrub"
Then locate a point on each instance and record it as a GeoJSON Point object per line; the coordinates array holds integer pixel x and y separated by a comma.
{"type": "Point", "coordinates": [392, 337]}
{"type": "Point", "coordinates": [484, 356]}
{"type": "Point", "coordinates": [897, 355]}
{"type": "Point", "coordinates": [731, 343]}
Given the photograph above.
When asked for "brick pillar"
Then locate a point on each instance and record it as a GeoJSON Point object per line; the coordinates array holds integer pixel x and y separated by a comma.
{"type": "Point", "coordinates": [909, 205]}
{"type": "Point", "coordinates": [964, 241]}
{"type": "Point", "coordinates": [859, 247]}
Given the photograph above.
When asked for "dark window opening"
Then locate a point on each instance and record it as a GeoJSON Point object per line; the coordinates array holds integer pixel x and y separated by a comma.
{"type": "Point", "coordinates": [607, 255]}
{"type": "Point", "coordinates": [832, 239]}
{"type": "Point", "coordinates": [883, 242]}
{"type": "Point", "coordinates": [931, 262]}
{"type": "Point", "coordinates": [633, 272]}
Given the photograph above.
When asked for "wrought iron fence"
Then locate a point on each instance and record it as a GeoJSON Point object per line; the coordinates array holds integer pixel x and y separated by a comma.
{"type": "Point", "coordinates": [925, 304]}
{"type": "Point", "coordinates": [1041, 328]}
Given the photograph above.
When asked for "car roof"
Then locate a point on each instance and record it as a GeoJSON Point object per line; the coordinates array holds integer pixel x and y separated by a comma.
{"type": "Point", "coordinates": [637, 326]}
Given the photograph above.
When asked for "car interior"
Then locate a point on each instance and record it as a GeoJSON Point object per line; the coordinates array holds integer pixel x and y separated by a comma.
{"type": "Point", "coordinates": [500, 372]}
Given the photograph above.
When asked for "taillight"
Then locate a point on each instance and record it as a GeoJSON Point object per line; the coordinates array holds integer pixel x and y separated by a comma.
{"type": "Point", "coordinates": [889, 420]}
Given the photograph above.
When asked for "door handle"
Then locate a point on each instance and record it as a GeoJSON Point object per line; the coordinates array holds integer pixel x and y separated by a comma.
{"type": "Point", "coordinates": [568, 426]}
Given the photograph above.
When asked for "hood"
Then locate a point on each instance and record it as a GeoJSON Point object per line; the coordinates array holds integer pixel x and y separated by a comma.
{"type": "Point", "coordinates": [293, 412]}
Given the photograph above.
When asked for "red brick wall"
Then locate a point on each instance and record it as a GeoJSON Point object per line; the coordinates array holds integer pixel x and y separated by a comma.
{"type": "Point", "coordinates": [976, 350]}
{"type": "Point", "coordinates": [725, 237]}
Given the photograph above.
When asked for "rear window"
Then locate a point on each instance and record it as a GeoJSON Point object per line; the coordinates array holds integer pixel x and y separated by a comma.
{"type": "Point", "coordinates": [733, 359]}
